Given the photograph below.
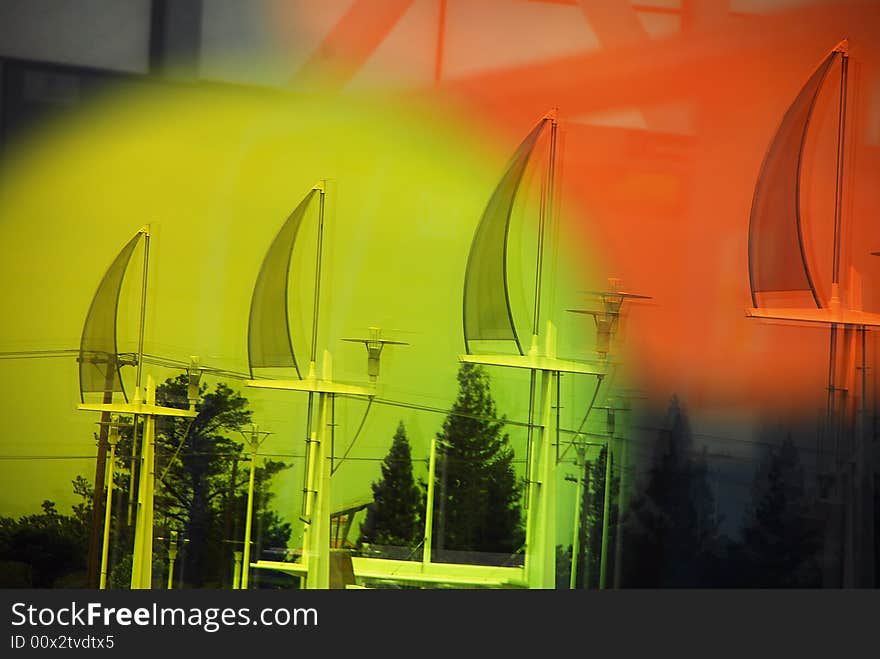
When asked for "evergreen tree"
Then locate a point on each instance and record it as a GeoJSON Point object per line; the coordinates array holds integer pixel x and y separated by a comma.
{"type": "Point", "coordinates": [671, 531]}
{"type": "Point", "coordinates": [478, 495]}
{"type": "Point", "coordinates": [780, 543]}
{"type": "Point", "coordinates": [393, 517]}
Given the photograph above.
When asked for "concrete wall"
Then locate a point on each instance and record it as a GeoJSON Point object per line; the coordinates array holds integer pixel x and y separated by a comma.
{"type": "Point", "coordinates": [106, 34]}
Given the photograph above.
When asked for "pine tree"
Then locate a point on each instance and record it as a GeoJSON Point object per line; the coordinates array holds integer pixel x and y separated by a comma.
{"type": "Point", "coordinates": [780, 543]}
{"type": "Point", "coordinates": [671, 530]}
{"type": "Point", "coordinates": [478, 494]}
{"type": "Point", "coordinates": [393, 517]}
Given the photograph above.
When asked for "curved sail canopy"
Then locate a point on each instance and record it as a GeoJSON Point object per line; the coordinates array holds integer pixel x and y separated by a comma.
{"type": "Point", "coordinates": [777, 260]}
{"type": "Point", "coordinates": [98, 358]}
{"type": "Point", "coordinates": [269, 342]}
{"type": "Point", "coordinates": [487, 314]}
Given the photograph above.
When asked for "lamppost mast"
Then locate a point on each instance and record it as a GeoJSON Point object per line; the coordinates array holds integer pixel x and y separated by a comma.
{"type": "Point", "coordinates": [254, 438]}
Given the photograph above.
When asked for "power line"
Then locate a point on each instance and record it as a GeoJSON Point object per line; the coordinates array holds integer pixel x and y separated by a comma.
{"type": "Point", "coordinates": [122, 458]}
{"type": "Point", "coordinates": [155, 360]}
{"type": "Point", "coordinates": [184, 365]}
{"type": "Point", "coordinates": [442, 410]}
{"type": "Point", "coordinates": [755, 442]}
{"type": "Point", "coordinates": [47, 457]}
{"type": "Point", "coordinates": [37, 354]}
{"type": "Point", "coordinates": [353, 439]}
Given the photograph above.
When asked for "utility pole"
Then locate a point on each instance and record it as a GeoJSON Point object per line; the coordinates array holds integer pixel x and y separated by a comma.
{"type": "Point", "coordinates": [581, 539]}
{"type": "Point", "coordinates": [95, 535]}
{"type": "Point", "coordinates": [586, 530]}
{"type": "Point", "coordinates": [606, 505]}
{"type": "Point", "coordinates": [229, 505]}
{"type": "Point", "coordinates": [621, 510]}
{"type": "Point", "coordinates": [576, 525]}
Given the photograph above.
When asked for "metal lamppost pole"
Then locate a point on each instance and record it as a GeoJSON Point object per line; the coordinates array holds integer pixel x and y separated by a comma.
{"type": "Point", "coordinates": [540, 559]}
{"type": "Point", "coordinates": [112, 439]}
{"type": "Point", "coordinates": [142, 556]}
{"type": "Point", "coordinates": [254, 439]}
{"type": "Point", "coordinates": [143, 404]}
{"type": "Point", "coordinates": [319, 524]}
{"type": "Point", "coordinates": [429, 507]}
{"type": "Point", "coordinates": [140, 367]}
{"type": "Point", "coordinates": [316, 535]}
{"type": "Point", "coordinates": [319, 448]}
{"type": "Point", "coordinates": [142, 553]}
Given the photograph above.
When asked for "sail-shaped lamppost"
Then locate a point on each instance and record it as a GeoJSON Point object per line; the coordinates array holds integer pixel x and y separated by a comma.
{"type": "Point", "coordinates": [99, 372]}
{"type": "Point", "coordinates": [488, 317]}
{"type": "Point", "coordinates": [270, 346]}
{"type": "Point", "coordinates": [779, 265]}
